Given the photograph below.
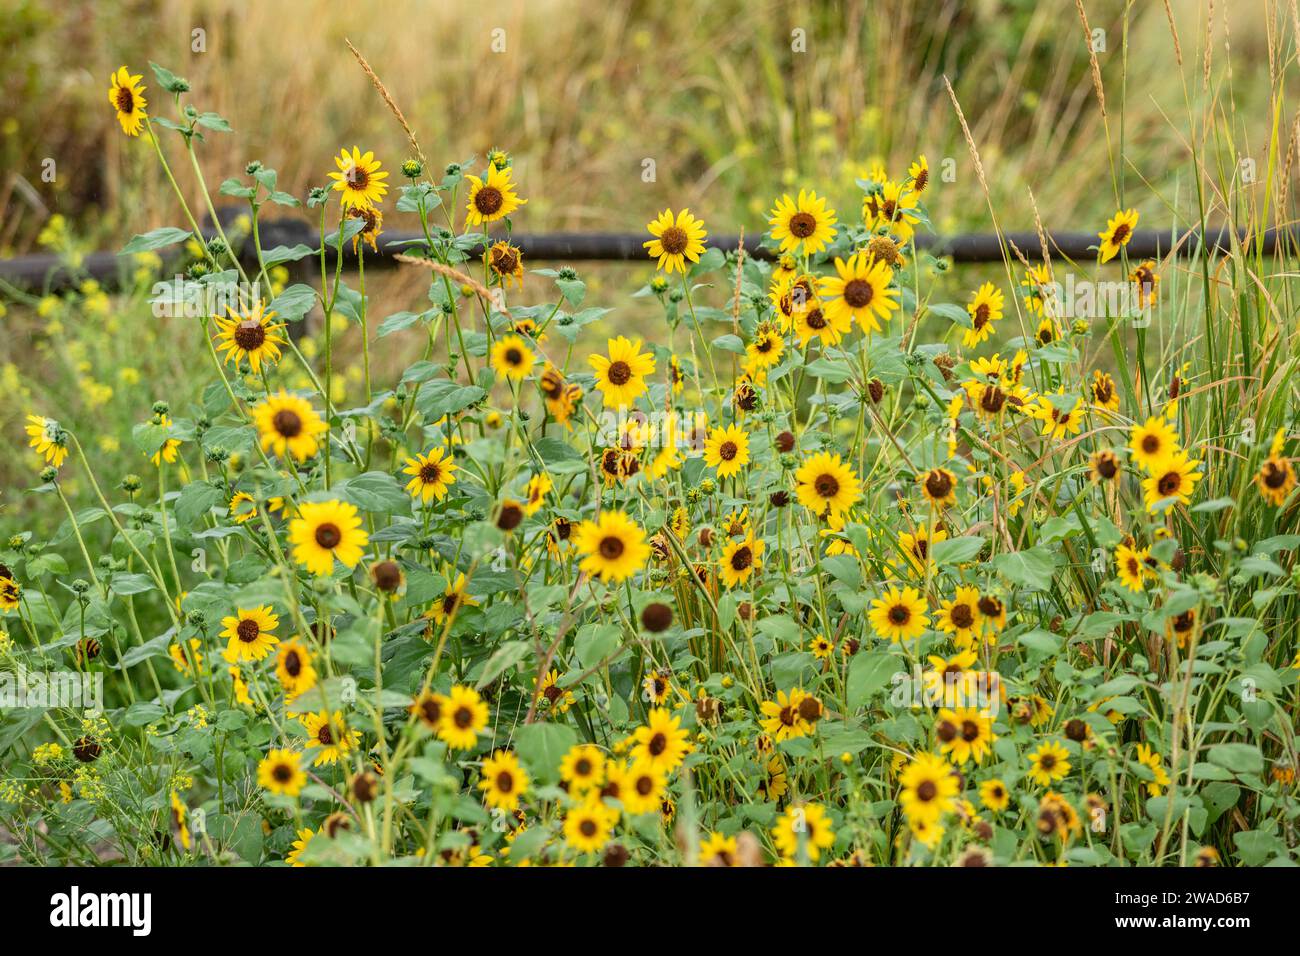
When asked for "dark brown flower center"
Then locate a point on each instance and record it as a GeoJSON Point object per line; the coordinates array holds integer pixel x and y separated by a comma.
{"type": "Point", "coordinates": [938, 484]}
{"type": "Point", "coordinates": [970, 731]}
{"type": "Point", "coordinates": [1274, 474]}
{"type": "Point", "coordinates": [282, 773]}
{"type": "Point", "coordinates": [328, 536]}
{"type": "Point", "coordinates": [993, 399]}
{"type": "Point", "coordinates": [588, 828]}
{"type": "Point", "coordinates": [611, 548]}
{"type": "Point", "coordinates": [430, 474]}
{"type": "Point", "coordinates": [858, 293]}
{"type": "Point", "coordinates": [249, 335]}
{"type": "Point", "coordinates": [826, 486]}
{"type": "Point", "coordinates": [287, 423]}
{"type": "Point", "coordinates": [505, 781]}
{"type": "Point", "coordinates": [816, 320]}
{"type": "Point", "coordinates": [727, 450]}
{"type": "Point", "coordinates": [488, 200]}
{"type": "Point", "coordinates": [463, 717]}
{"type": "Point", "coordinates": [674, 240]}
{"type": "Point", "coordinates": [962, 616]}
{"type": "Point", "coordinates": [899, 615]}
{"type": "Point", "coordinates": [247, 630]}
{"type": "Point", "coordinates": [430, 710]}
{"type": "Point", "coordinates": [292, 664]}
{"type": "Point", "coordinates": [658, 744]}
{"type": "Point", "coordinates": [619, 372]}
{"type": "Point", "coordinates": [1150, 444]}
{"type": "Point", "coordinates": [927, 791]}
{"type": "Point", "coordinates": [1121, 232]}
{"type": "Point", "coordinates": [125, 100]}
{"type": "Point", "coordinates": [325, 736]}
{"type": "Point", "coordinates": [741, 558]}
{"type": "Point", "coordinates": [1169, 483]}
{"type": "Point", "coordinates": [802, 225]}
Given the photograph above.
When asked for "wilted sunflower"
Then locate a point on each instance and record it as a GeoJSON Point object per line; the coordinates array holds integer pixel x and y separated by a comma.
{"type": "Point", "coordinates": [294, 668]}
{"type": "Point", "coordinates": [929, 789]}
{"type": "Point", "coordinates": [620, 377]}
{"type": "Point", "coordinates": [359, 179]}
{"type": "Point", "coordinates": [492, 197]}
{"type": "Point", "coordinates": [432, 474]}
{"type": "Point", "coordinates": [250, 633]}
{"type": "Point", "coordinates": [48, 438]}
{"type": "Point", "coordinates": [1172, 481]}
{"type": "Point", "coordinates": [899, 615]}
{"type": "Point", "coordinates": [288, 425]}
{"type": "Point", "coordinates": [727, 450]}
{"type": "Point", "coordinates": [824, 482]}
{"type": "Point", "coordinates": [280, 772]}
{"type": "Point", "coordinates": [512, 358]}
{"type": "Point", "coordinates": [793, 294]}
{"type": "Point", "coordinates": [676, 240]}
{"type": "Point", "coordinates": [1050, 762]}
{"type": "Point", "coordinates": [1147, 284]}
{"type": "Point", "coordinates": [506, 263]}
{"type": "Point", "coordinates": [127, 96]}
{"type": "Point", "coordinates": [805, 223]}
{"type": "Point", "coordinates": [939, 485]}
{"type": "Point", "coordinates": [860, 291]}
{"type": "Point", "coordinates": [463, 716]}
{"type": "Point", "coordinates": [325, 530]}
{"type": "Point", "coordinates": [985, 310]}
{"type": "Point", "coordinates": [330, 733]}
{"type": "Point", "coordinates": [249, 336]}
{"type": "Point", "coordinates": [1118, 233]}
{"type": "Point", "coordinates": [739, 559]}
{"type": "Point", "coordinates": [1103, 391]}
{"type": "Point", "coordinates": [613, 546]}
{"type": "Point", "coordinates": [504, 781]}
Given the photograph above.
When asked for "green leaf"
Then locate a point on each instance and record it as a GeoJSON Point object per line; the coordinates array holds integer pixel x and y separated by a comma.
{"type": "Point", "coordinates": [503, 658]}
{"type": "Point", "coordinates": [444, 397]}
{"type": "Point", "coordinates": [952, 551]}
{"type": "Point", "coordinates": [868, 675]}
{"type": "Point", "coordinates": [542, 746]}
{"type": "Point", "coordinates": [1031, 569]}
{"type": "Point", "coordinates": [1239, 758]}
{"type": "Point", "coordinates": [294, 302]}
{"type": "Point", "coordinates": [157, 239]}
{"type": "Point", "coordinates": [595, 642]}
{"type": "Point", "coordinates": [375, 491]}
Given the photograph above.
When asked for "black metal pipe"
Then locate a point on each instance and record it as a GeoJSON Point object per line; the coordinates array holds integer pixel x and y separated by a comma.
{"type": "Point", "coordinates": [35, 271]}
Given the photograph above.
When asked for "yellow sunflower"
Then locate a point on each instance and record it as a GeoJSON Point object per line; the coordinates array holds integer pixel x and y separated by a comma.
{"type": "Point", "coordinates": [739, 559]}
{"type": "Point", "coordinates": [453, 599]}
{"type": "Point", "coordinates": [806, 222]}
{"type": "Point", "coordinates": [1172, 481]}
{"type": "Point", "coordinates": [613, 546]}
{"type": "Point", "coordinates": [539, 486]}
{"type": "Point", "coordinates": [807, 826]}
{"type": "Point", "coordinates": [1059, 421]}
{"type": "Point", "coordinates": [1275, 480]}
{"type": "Point", "coordinates": [1050, 762]}
{"type": "Point", "coordinates": [512, 358]}
{"type": "Point", "coordinates": [288, 425]}
{"type": "Point", "coordinates": [899, 615]}
{"type": "Point", "coordinates": [961, 617]}
{"type": "Point", "coordinates": [892, 206]}
{"type": "Point", "coordinates": [589, 825]}
{"type": "Point", "coordinates": [48, 438]}
{"type": "Point", "coordinates": [250, 633]}
{"type": "Point", "coordinates": [824, 482]}
{"type": "Point", "coordinates": [919, 174]}
{"type": "Point", "coordinates": [325, 530]}
{"type": "Point", "coordinates": [676, 240]}
{"type": "Point", "coordinates": [463, 716]}
{"type": "Point", "coordinates": [1132, 567]}
{"type": "Point", "coordinates": [242, 507]}
{"type": "Point", "coordinates": [929, 789]}
{"type": "Point", "coordinates": [432, 474]}
{"type": "Point", "coordinates": [250, 336]}
{"type": "Point", "coordinates": [661, 742]}
{"type": "Point", "coordinates": [127, 96]}
{"type": "Point", "coordinates": [644, 786]}
{"type": "Point", "coordinates": [305, 836]}
{"type": "Point", "coordinates": [860, 291]}
{"type": "Point", "coordinates": [295, 668]}
{"type": "Point", "coordinates": [1118, 233]}
{"type": "Point", "coordinates": [994, 795]}
{"type": "Point", "coordinates": [280, 772]}
{"type": "Point", "coordinates": [330, 733]}
{"type": "Point", "coordinates": [1152, 442]}
{"type": "Point", "coordinates": [582, 768]}
{"type": "Point", "coordinates": [503, 781]}
{"type": "Point", "coordinates": [985, 310]}
{"type": "Point", "coordinates": [766, 348]}
{"type": "Point", "coordinates": [491, 198]}
{"type": "Point", "coordinates": [561, 397]}
{"type": "Point", "coordinates": [964, 734]}
{"type": "Point", "coordinates": [727, 450]}
{"type": "Point", "coordinates": [1102, 391]}
{"type": "Point", "coordinates": [359, 179]}
{"type": "Point", "coordinates": [782, 719]}
{"type": "Point", "coordinates": [620, 377]}
{"type": "Point", "coordinates": [813, 321]}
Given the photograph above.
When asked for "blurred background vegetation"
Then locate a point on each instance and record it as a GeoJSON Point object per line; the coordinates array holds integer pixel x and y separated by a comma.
{"type": "Point", "coordinates": [734, 102]}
